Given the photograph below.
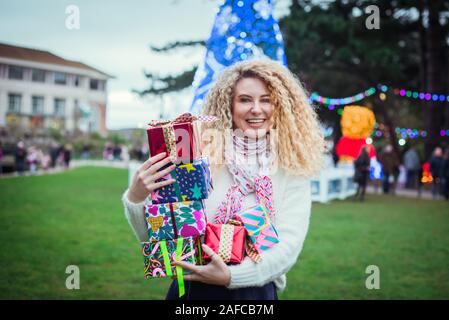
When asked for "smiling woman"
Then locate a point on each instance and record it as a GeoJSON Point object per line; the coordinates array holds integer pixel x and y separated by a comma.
{"type": "Point", "coordinates": [252, 99]}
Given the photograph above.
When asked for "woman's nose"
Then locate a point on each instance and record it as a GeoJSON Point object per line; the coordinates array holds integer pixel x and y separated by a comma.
{"type": "Point", "coordinates": [256, 108]}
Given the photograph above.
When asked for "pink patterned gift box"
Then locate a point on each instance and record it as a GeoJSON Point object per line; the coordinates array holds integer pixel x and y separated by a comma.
{"type": "Point", "coordinates": [259, 227]}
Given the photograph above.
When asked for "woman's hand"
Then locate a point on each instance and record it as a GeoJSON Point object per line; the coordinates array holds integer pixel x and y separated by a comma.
{"type": "Point", "coordinates": [215, 272]}
{"type": "Point", "coordinates": [144, 180]}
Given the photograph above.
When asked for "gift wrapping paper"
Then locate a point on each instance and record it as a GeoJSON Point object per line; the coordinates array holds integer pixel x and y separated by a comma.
{"type": "Point", "coordinates": [159, 256]}
{"type": "Point", "coordinates": [259, 228]}
{"type": "Point", "coordinates": [173, 220]}
{"type": "Point", "coordinates": [176, 139]}
{"type": "Point", "coordinates": [193, 182]}
{"type": "Point", "coordinates": [227, 240]}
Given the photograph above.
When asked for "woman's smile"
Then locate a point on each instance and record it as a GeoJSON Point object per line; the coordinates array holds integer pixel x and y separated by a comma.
{"type": "Point", "coordinates": [256, 123]}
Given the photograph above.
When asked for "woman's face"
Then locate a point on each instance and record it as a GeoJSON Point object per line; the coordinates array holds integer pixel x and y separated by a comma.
{"type": "Point", "coordinates": [252, 109]}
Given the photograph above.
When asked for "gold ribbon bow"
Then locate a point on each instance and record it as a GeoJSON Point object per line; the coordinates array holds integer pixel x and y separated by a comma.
{"type": "Point", "coordinates": [169, 132]}
{"type": "Point", "coordinates": [185, 117]}
{"type": "Point", "coordinates": [250, 249]}
{"type": "Point", "coordinates": [226, 236]}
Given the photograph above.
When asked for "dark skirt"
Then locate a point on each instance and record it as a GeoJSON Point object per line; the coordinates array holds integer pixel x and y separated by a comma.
{"type": "Point", "coordinates": [195, 290]}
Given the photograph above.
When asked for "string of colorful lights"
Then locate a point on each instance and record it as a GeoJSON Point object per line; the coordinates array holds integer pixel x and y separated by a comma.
{"type": "Point", "coordinates": [409, 133]}
{"type": "Point", "coordinates": [332, 102]}
{"type": "Point", "coordinates": [342, 101]}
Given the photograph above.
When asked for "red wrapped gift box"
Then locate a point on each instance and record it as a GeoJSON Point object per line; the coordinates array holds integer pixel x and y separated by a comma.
{"type": "Point", "coordinates": [226, 240]}
{"type": "Point", "coordinates": [181, 137]}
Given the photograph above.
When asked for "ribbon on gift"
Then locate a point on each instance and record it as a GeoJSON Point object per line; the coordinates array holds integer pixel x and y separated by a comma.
{"type": "Point", "coordinates": [179, 270]}
{"type": "Point", "coordinates": [169, 132]}
{"type": "Point", "coordinates": [225, 247]}
{"type": "Point", "coordinates": [172, 216]}
{"type": "Point", "coordinates": [185, 117]}
{"type": "Point", "coordinates": [176, 187]}
{"type": "Point", "coordinates": [168, 266]}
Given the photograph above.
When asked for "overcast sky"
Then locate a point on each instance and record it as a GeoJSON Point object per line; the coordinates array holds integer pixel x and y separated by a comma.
{"type": "Point", "coordinates": [114, 36]}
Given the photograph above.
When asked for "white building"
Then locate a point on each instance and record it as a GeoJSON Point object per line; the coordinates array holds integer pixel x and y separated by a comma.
{"type": "Point", "coordinates": [41, 90]}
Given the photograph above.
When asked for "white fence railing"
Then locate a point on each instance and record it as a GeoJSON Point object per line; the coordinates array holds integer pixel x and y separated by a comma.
{"type": "Point", "coordinates": [333, 183]}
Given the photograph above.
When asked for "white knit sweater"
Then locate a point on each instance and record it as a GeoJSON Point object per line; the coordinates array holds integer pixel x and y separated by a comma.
{"type": "Point", "coordinates": [292, 200]}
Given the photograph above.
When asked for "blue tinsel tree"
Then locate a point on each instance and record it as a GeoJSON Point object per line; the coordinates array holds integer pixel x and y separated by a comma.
{"type": "Point", "coordinates": [243, 29]}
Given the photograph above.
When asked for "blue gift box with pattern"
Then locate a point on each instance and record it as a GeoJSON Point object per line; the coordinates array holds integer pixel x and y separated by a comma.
{"type": "Point", "coordinates": [193, 182]}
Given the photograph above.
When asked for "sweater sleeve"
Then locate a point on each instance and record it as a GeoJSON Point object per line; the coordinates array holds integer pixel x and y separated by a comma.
{"type": "Point", "coordinates": [292, 222]}
{"type": "Point", "coordinates": [135, 216]}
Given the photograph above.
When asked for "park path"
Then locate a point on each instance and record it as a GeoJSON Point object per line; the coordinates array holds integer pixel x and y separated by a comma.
{"type": "Point", "coordinates": [402, 192]}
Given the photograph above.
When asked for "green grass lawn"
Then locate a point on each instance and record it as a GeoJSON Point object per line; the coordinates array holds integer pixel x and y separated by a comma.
{"type": "Point", "coordinates": [50, 222]}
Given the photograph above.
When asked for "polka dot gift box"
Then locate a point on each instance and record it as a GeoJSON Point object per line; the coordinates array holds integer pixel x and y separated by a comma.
{"type": "Point", "coordinates": [193, 182]}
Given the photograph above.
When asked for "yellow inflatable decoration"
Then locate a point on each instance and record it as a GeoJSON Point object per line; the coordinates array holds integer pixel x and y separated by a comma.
{"type": "Point", "coordinates": [357, 122]}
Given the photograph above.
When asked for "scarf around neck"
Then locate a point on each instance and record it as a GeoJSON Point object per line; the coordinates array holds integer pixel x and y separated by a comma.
{"type": "Point", "coordinates": [248, 161]}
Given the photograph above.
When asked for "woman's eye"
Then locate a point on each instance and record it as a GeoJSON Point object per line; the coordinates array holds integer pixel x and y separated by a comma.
{"type": "Point", "coordinates": [245, 100]}
{"type": "Point", "coordinates": [265, 100]}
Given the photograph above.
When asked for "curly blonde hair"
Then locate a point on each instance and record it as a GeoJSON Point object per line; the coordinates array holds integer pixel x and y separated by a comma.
{"type": "Point", "coordinates": [300, 141]}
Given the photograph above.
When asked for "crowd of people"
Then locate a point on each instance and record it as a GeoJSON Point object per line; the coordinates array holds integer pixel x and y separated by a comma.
{"type": "Point", "coordinates": [413, 167]}
{"type": "Point", "coordinates": [32, 157]}
{"type": "Point", "coordinates": [115, 152]}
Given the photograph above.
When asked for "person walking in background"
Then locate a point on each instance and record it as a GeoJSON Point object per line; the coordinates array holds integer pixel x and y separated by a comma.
{"type": "Point", "coordinates": [436, 166]}
{"type": "Point", "coordinates": [60, 159]}
{"type": "Point", "coordinates": [396, 173]}
{"type": "Point", "coordinates": [390, 168]}
{"type": "Point", "coordinates": [107, 151]}
{"type": "Point", "coordinates": [20, 157]}
{"type": "Point", "coordinates": [86, 152]}
{"type": "Point", "coordinates": [116, 153]}
{"type": "Point", "coordinates": [445, 174]}
{"type": "Point", "coordinates": [1, 159]}
{"type": "Point", "coordinates": [45, 160]}
{"type": "Point", "coordinates": [125, 153]}
{"type": "Point", "coordinates": [412, 166]}
{"type": "Point", "coordinates": [67, 155]}
{"type": "Point", "coordinates": [32, 159]}
{"type": "Point", "coordinates": [420, 178]}
{"type": "Point", "coordinates": [362, 167]}
{"type": "Point", "coordinates": [144, 152]}
{"type": "Point", "coordinates": [54, 152]}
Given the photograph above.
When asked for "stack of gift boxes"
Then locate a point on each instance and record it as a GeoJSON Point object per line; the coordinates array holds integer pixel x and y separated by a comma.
{"type": "Point", "coordinates": [176, 217]}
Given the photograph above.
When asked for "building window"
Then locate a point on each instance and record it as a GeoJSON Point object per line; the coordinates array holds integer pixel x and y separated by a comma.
{"type": "Point", "coordinates": [60, 78]}
{"type": "Point", "coordinates": [38, 75]}
{"type": "Point", "coordinates": [93, 84]}
{"type": "Point", "coordinates": [59, 109]}
{"type": "Point", "coordinates": [76, 81]}
{"type": "Point", "coordinates": [38, 105]}
{"type": "Point", "coordinates": [3, 68]}
{"type": "Point", "coordinates": [15, 72]}
{"type": "Point", "coordinates": [14, 102]}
